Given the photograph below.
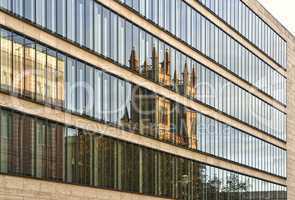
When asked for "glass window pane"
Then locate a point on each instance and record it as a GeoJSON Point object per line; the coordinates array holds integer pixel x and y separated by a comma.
{"type": "Point", "coordinates": [89, 23]}
{"type": "Point", "coordinates": [17, 7]}
{"type": "Point", "coordinates": [106, 32]}
{"type": "Point", "coordinates": [6, 60]}
{"type": "Point", "coordinates": [106, 97]}
{"type": "Point", "coordinates": [61, 16]}
{"type": "Point", "coordinates": [80, 87]}
{"type": "Point", "coordinates": [61, 67]}
{"type": "Point", "coordinates": [114, 100]}
{"type": "Point", "coordinates": [40, 13]}
{"type": "Point", "coordinates": [80, 27]}
{"type": "Point", "coordinates": [18, 64]}
{"type": "Point", "coordinates": [71, 19]}
{"type": "Point", "coordinates": [97, 28]}
{"type": "Point", "coordinates": [128, 40]}
{"type": "Point", "coordinates": [121, 103]}
{"type": "Point", "coordinates": [89, 93]}
{"type": "Point", "coordinates": [114, 36]}
{"type": "Point", "coordinates": [51, 76]}
{"type": "Point", "coordinates": [98, 95]}
{"type": "Point", "coordinates": [30, 54]}
{"type": "Point", "coordinates": [71, 84]}
{"type": "Point", "coordinates": [5, 4]}
{"type": "Point", "coordinates": [30, 10]}
{"type": "Point", "coordinates": [40, 72]}
{"type": "Point", "coordinates": [51, 15]}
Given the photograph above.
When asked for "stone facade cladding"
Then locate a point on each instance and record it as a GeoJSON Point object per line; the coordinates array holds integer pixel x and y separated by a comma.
{"type": "Point", "coordinates": [17, 188]}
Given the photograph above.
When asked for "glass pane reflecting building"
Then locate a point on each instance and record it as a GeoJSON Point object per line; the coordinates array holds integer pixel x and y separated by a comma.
{"type": "Point", "coordinates": [145, 99]}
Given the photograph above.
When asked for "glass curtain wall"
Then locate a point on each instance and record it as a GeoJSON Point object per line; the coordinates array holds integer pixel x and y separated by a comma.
{"type": "Point", "coordinates": [34, 71]}
{"type": "Point", "coordinates": [43, 149]}
{"type": "Point", "coordinates": [155, 61]}
{"type": "Point", "coordinates": [101, 31]}
{"type": "Point", "coordinates": [250, 25]}
{"type": "Point", "coordinates": [187, 24]}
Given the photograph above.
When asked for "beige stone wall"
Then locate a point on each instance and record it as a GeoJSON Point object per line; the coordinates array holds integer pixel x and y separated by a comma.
{"type": "Point", "coordinates": [18, 188]}
{"type": "Point", "coordinates": [291, 121]}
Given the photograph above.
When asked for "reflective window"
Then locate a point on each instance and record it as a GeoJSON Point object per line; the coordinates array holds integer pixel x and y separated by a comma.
{"type": "Point", "coordinates": [89, 90]}
{"type": "Point", "coordinates": [42, 74]}
{"type": "Point", "coordinates": [41, 13]}
{"type": "Point", "coordinates": [51, 76]}
{"type": "Point", "coordinates": [211, 35]}
{"type": "Point", "coordinates": [98, 28]}
{"type": "Point", "coordinates": [80, 80]}
{"type": "Point", "coordinates": [29, 10]}
{"type": "Point", "coordinates": [71, 84]}
{"type": "Point", "coordinates": [17, 6]}
{"type": "Point", "coordinates": [106, 32]}
{"type": "Point", "coordinates": [71, 19]}
{"type": "Point", "coordinates": [6, 59]}
{"type": "Point", "coordinates": [59, 153]}
{"type": "Point", "coordinates": [80, 22]}
{"type": "Point", "coordinates": [89, 23]}
{"type": "Point", "coordinates": [6, 4]}
{"type": "Point", "coordinates": [98, 95]}
{"type": "Point", "coordinates": [18, 63]}
{"type": "Point", "coordinates": [51, 15]}
{"type": "Point", "coordinates": [106, 97]}
{"type": "Point", "coordinates": [243, 19]}
{"type": "Point", "coordinates": [61, 16]}
{"type": "Point", "coordinates": [29, 70]}
{"type": "Point", "coordinates": [187, 24]}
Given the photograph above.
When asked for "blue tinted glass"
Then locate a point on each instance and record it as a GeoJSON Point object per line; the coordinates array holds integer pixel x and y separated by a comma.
{"type": "Point", "coordinates": [89, 23]}
{"type": "Point", "coordinates": [30, 10]}
{"type": "Point", "coordinates": [71, 19]}
{"type": "Point", "coordinates": [51, 15]}
{"type": "Point", "coordinates": [80, 27]}
{"type": "Point", "coordinates": [40, 13]}
{"type": "Point", "coordinates": [18, 7]}
{"type": "Point", "coordinates": [61, 16]}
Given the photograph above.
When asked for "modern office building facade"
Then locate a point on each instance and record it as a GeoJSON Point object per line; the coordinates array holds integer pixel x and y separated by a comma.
{"type": "Point", "coordinates": [145, 99]}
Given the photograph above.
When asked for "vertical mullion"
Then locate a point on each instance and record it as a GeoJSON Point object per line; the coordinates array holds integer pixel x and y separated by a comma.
{"type": "Point", "coordinates": [24, 67]}
{"type": "Point", "coordinates": [93, 40]}
{"type": "Point", "coordinates": [46, 73]}
{"type": "Point", "coordinates": [55, 101]}
{"type": "Point", "coordinates": [94, 91]}
{"type": "Point", "coordinates": [0, 63]}
{"type": "Point", "coordinates": [35, 72]}
{"type": "Point", "coordinates": [84, 84]}
{"type": "Point", "coordinates": [76, 88]}
{"type": "Point", "coordinates": [102, 30]}
{"type": "Point", "coordinates": [46, 146]}
{"type": "Point", "coordinates": [84, 25]}
{"type": "Point", "coordinates": [35, 147]}
{"type": "Point", "coordinates": [56, 26]}
{"type": "Point", "coordinates": [35, 9]}
{"type": "Point", "coordinates": [66, 154]}
{"type": "Point", "coordinates": [66, 19]}
{"type": "Point", "coordinates": [117, 38]}
{"type": "Point", "coordinates": [11, 54]}
{"type": "Point", "coordinates": [45, 14]}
